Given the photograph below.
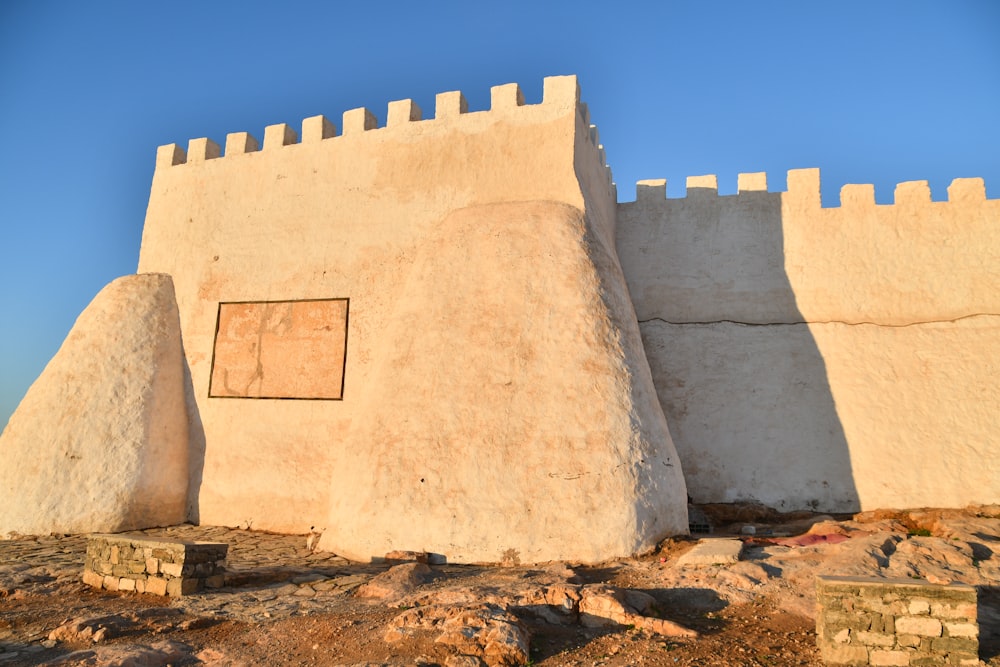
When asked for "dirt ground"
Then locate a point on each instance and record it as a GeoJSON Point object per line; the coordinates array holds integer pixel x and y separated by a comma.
{"type": "Point", "coordinates": [757, 612]}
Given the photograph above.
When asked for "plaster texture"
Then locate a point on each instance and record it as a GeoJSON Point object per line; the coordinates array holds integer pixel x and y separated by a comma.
{"type": "Point", "coordinates": [280, 349]}
{"type": "Point", "coordinates": [501, 434]}
{"type": "Point", "coordinates": [100, 441]}
{"type": "Point", "coordinates": [492, 349]}
{"type": "Point", "coordinates": [828, 358]}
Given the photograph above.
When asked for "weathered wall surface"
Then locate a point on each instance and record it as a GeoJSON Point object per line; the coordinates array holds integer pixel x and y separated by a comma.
{"type": "Point", "coordinates": [477, 265]}
{"type": "Point", "coordinates": [822, 357]}
{"type": "Point", "coordinates": [100, 441]}
{"type": "Point", "coordinates": [502, 433]}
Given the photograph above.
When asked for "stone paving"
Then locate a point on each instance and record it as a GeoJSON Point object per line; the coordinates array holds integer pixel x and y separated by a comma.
{"type": "Point", "coordinates": [268, 576]}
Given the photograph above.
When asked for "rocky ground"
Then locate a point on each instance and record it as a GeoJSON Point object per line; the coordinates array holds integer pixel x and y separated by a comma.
{"type": "Point", "coordinates": [285, 605]}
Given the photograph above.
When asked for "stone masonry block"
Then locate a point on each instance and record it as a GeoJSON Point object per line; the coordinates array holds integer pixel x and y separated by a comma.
{"type": "Point", "coordinates": [961, 629]}
{"type": "Point", "coordinates": [889, 658]}
{"type": "Point", "coordinates": [156, 586]}
{"type": "Point", "coordinates": [885, 623]}
{"type": "Point", "coordinates": [204, 569]}
{"type": "Point", "coordinates": [845, 655]}
{"type": "Point", "coordinates": [171, 569]}
{"type": "Point", "coordinates": [919, 625]}
{"type": "Point", "coordinates": [876, 639]}
{"type": "Point", "coordinates": [840, 619]}
{"type": "Point", "coordinates": [955, 645]}
{"type": "Point", "coordinates": [93, 579]}
{"type": "Point", "coordinates": [962, 610]}
{"type": "Point", "coordinates": [178, 587]}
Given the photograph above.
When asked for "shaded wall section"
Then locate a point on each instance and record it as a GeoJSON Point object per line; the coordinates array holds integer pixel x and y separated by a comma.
{"type": "Point", "coordinates": [826, 358]}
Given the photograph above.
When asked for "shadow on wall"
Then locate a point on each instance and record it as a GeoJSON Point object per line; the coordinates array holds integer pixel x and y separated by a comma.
{"type": "Point", "coordinates": [196, 452]}
{"type": "Point", "coordinates": [739, 375]}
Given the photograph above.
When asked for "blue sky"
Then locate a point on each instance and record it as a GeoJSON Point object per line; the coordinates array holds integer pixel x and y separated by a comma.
{"type": "Point", "coordinates": [871, 92]}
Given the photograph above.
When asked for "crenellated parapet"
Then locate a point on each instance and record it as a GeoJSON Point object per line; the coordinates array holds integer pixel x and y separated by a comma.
{"type": "Point", "coordinates": [507, 103]}
{"type": "Point", "coordinates": [804, 187]}
{"type": "Point", "coordinates": [709, 257]}
{"type": "Point", "coordinates": [404, 118]}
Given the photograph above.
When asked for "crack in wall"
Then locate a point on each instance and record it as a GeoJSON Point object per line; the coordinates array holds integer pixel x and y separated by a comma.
{"type": "Point", "coordinates": [800, 322]}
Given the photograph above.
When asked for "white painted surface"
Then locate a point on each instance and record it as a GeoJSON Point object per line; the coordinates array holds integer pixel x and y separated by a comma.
{"type": "Point", "coordinates": [99, 442]}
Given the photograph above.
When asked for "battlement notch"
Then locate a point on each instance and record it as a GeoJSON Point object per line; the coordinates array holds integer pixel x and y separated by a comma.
{"type": "Point", "coordinates": [401, 112]}
{"type": "Point", "coordinates": [359, 120]}
{"type": "Point", "coordinates": [752, 182]}
{"type": "Point", "coordinates": [240, 142]}
{"type": "Point", "coordinates": [450, 104]}
{"type": "Point", "coordinates": [202, 149]}
{"type": "Point", "coordinates": [317, 128]}
{"type": "Point", "coordinates": [651, 190]}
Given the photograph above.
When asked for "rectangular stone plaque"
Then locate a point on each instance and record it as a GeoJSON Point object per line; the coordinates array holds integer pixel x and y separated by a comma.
{"type": "Point", "coordinates": [280, 349]}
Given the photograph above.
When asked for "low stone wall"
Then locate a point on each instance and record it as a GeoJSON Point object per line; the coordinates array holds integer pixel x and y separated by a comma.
{"type": "Point", "coordinates": [148, 565]}
{"type": "Point", "coordinates": [872, 621]}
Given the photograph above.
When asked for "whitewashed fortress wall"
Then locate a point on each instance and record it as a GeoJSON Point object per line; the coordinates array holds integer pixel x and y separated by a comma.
{"type": "Point", "coordinates": [836, 358]}
{"type": "Point", "coordinates": [446, 335]}
{"type": "Point", "coordinates": [496, 402]}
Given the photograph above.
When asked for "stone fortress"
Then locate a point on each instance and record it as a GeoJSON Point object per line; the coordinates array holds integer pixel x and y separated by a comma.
{"type": "Point", "coordinates": [446, 335]}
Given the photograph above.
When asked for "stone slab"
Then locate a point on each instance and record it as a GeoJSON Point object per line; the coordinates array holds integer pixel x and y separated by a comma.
{"type": "Point", "coordinates": [721, 551]}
